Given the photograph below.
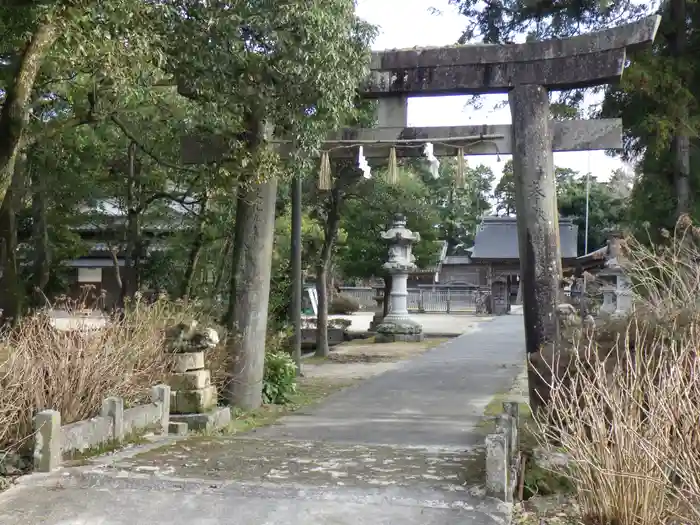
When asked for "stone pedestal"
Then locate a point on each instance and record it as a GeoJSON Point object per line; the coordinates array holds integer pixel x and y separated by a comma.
{"type": "Point", "coordinates": [617, 294]}
{"type": "Point", "coordinates": [624, 294]}
{"type": "Point", "coordinates": [397, 325]}
{"type": "Point", "coordinates": [193, 399]}
{"type": "Point", "coordinates": [192, 392]}
{"type": "Point", "coordinates": [609, 300]}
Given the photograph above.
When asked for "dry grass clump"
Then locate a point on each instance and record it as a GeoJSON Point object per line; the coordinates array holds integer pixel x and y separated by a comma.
{"type": "Point", "coordinates": [72, 371]}
{"type": "Point", "coordinates": [624, 402]}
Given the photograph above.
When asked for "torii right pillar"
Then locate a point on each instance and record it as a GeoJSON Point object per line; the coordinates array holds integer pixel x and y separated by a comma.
{"type": "Point", "coordinates": [583, 61]}
{"type": "Point", "coordinates": [527, 72]}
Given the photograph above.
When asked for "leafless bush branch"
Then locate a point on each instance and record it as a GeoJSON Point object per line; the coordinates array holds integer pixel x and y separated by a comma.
{"type": "Point", "coordinates": [624, 401]}
{"type": "Point", "coordinates": [72, 371]}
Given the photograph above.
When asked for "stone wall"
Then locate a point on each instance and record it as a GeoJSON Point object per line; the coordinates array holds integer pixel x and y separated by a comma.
{"type": "Point", "coordinates": [52, 441]}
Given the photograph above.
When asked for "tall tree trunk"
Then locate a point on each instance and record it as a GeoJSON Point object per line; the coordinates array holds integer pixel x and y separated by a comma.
{"type": "Point", "coordinates": [322, 346]}
{"type": "Point", "coordinates": [14, 116]}
{"type": "Point", "coordinates": [323, 271]}
{"type": "Point", "coordinates": [251, 273]}
{"type": "Point", "coordinates": [135, 249]}
{"type": "Point", "coordinates": [237, 249]}
{"type": "Point", "coordinates": [133, 231]}
{"type": "Point", "coordinates": [250, 284]}
{"type": "Point", "coordinates": [680, 144]}
{"type": "Point", "coordinates": [11, 289]}
{"type": "Point", "coordinates": [114, 252]}
{"type": "Point", "coordinates": [221, 267]}
{"type": "Point", "coordinates": [40, 235]}
{"type": "Point", "coordinates": [681, 154]}
{"type": "Point", "coordinates": [296, 272]}
{"type": "Point", "coordinates": [195, 251]}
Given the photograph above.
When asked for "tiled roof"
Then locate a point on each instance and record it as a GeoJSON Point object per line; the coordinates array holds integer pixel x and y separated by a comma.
{"type": "Point", "coordinates": [497, 238]}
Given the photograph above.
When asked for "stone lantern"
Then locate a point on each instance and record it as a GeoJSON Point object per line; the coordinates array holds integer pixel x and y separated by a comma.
{"type": "Point", "coordinates": [397, 325]}
{"type": "Point", "coordinates": [617, 292]}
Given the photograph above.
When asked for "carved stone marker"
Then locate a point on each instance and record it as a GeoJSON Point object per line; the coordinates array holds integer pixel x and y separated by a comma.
{"type": "Point", "coordinates": [193, 398]}
{"type": "Point", "coordinates": [398, 326]}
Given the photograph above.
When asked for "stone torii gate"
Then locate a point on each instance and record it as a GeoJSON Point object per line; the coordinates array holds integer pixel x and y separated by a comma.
{"type": "Point", "coordinates": [527, 72]}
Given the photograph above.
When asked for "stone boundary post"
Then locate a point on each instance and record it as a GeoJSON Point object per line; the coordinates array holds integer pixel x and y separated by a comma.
{"type": "Point", "coordinates": [113, 407]}
{"type": "Point", "coordinates": [503, 454]}
{"type": "Point", "coordinates": [47, 441]}
{"type": "Point", "coordinates": [160, 394]}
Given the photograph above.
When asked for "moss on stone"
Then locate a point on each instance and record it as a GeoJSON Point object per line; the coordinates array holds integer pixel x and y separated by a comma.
{"type": "Point", "coordinates": [78, 457]}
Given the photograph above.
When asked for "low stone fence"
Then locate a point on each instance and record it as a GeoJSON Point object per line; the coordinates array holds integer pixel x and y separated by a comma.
{"type": "Point", "coordinates": [503, 454]}
{"type": "Point", "coordinates": [52, 441]}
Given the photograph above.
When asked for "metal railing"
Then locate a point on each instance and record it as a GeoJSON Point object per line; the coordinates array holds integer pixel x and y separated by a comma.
{"type": "Point", "coordinates": [446, 300]}
{"type": "Point", "coordinates": [434, 299]}
{"type": "Point", "coordinates": [363, 295]}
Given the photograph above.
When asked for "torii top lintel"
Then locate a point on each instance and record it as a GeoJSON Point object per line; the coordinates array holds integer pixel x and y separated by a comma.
{"type": "Point", "coordinates": [581, 61]}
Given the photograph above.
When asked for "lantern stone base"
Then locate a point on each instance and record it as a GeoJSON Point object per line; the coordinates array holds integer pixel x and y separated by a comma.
{"type": "Point", "coordinates": [398, 330]}
{"type": "Point", "coordinates": [376, 321]}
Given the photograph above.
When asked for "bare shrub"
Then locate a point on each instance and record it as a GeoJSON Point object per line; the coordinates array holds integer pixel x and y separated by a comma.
{"type": "Point", "coordinates": [624, 401]}
{"type": "Point", "coordinates": [72, 371]}
{"type": "Point", "coordinates": [666, 275]}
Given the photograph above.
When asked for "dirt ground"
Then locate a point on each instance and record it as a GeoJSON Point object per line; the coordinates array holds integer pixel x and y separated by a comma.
{"type": "Point", "coordinates": [362, 359]}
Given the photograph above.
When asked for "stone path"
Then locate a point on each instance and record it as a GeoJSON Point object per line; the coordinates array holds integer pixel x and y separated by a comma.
{"type": "Point", "coordinates": [398, 448]}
